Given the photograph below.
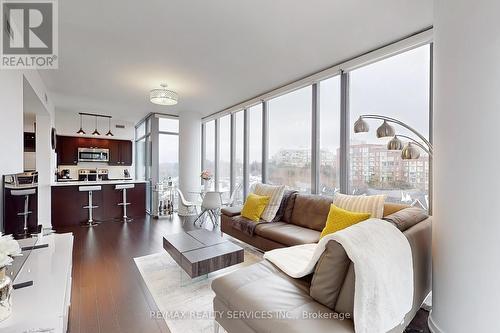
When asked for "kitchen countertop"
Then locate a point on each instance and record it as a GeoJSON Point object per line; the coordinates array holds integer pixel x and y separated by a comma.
{"type": "Point", "coordinates": [100, 182]}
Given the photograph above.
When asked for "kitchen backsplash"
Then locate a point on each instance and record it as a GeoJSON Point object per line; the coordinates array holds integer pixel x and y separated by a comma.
{"type": "Point", "coordinates": [114, 172]}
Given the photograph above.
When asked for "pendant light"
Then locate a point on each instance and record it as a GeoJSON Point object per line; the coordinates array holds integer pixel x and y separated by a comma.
{"type": "Point", "coordinates": [81, 131]}
{"type": "Point", "coordinates": [109, 128]}
{"type": "Point", "coordinates": [96, 132]}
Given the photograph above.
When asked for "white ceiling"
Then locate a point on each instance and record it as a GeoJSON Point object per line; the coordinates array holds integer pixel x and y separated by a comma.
{"type": "Point", "coordinates": [214, 53]}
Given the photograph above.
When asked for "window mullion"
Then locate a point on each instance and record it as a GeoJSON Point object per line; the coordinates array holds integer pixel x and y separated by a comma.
{"type": "Point", "coordinates": [315, 139]}
{"type": "Point", "coordinates": [344, 133]}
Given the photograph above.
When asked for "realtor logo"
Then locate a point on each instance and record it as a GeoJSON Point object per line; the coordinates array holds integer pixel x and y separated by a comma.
{"type": "Point", "coordinates": [29, 34]}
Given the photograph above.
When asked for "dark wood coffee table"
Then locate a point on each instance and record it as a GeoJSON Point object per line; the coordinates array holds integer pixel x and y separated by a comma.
{"type": "Point", "coordinates": [201, 251]}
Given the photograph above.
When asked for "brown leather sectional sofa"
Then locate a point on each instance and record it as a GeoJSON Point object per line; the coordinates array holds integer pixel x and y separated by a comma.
{"type": "Point", "coordinates": [302, 222]}
{"type": "Point", "coordinates": [261, 298]}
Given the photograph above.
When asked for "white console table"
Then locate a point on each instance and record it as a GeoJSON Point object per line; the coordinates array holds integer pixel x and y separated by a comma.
{"type": "Point", "coordinates": [44, 306]}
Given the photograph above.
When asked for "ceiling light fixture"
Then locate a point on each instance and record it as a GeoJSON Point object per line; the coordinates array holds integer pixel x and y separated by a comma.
{"type": "Point", "coordinates": [96, 132]}
{"type": "Point", "coordinates": [109, 128]}
{"type": "Point", "coordinates": [163, 96]}
{"type": "Point", "coordinates": [81, 131]}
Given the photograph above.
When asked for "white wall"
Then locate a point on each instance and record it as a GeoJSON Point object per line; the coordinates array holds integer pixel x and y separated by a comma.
{"type": "Point", "coordinates": [45, 156]}
{"type": "Point", "coordinates": [466, 228]}
{"type": "Point", "coordinates": [12, 128]}
{"type": "Point", "coordinates": [189, 151]}
{"type": "Point", "coordinates": [68, 123]}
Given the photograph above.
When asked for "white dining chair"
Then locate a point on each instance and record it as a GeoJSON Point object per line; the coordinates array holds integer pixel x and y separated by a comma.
{"type": "Point", "coordinates": [191, 208]}
{"type": "Point", "coordinates": [232, 198]}
{"type": "Point", "coordinates": [211, 205]}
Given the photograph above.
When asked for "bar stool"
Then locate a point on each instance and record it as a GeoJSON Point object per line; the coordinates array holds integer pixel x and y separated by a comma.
{"type": "Point", "coordinates": [26, 212]}
{"type": "Point", "coordinates": [90, 206]}
{"type": "Point", "coordinates": [124, 203]}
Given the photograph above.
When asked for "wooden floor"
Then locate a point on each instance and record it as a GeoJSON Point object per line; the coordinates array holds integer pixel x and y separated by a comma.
{"type": "Point", "coordinates": [108, 293]}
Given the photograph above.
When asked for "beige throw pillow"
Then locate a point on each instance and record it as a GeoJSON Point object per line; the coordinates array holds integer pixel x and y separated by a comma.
{"type": "Point", "coordinates": [275, 193]}
{"type": "Point", "coordinates": [373, 204]}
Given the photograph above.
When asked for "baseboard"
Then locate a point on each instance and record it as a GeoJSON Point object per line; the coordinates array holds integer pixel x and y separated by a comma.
{"type": "Point", "coordinates": [432, 325]}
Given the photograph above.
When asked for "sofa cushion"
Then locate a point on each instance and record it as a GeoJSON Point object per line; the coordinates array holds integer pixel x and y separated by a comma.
{"type": "Point", "coordinates": [329, 274]}
{"type": "Point", "coordinates": [275, 193]}
{"type": "Point", "coordinates": [339, 219]}
{"type": "Point", "coordinates": [373, 204]}
{"type": "Point", "coordinates": [262, 288]}
{"type": "Point", "coordinates": [254, 206]}
{"type": "Point", "coordinates": [407, 217]}
{"type": "Point", "coordinates": [287, 234]}
{"type": "Point", "coordinates": [310, 211]}
{"type": "Point", "coordinates": [391, 207]}
{"type": "Point", "coordinates": [231, 211]}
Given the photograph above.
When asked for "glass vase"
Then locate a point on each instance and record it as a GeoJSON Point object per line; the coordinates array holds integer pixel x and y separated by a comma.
{"type": "Point", "coordinates": [5, 295]}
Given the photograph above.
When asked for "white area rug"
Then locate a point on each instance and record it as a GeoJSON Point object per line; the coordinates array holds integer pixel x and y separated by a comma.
{"type": "Point", "coordinates": [185, 305]}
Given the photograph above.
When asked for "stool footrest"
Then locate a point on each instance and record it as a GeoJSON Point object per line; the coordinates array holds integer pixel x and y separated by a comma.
{"type": "Point", "coordinates": [87, 207]}
{"type": "Point", "coordinates": [124, 204]}
{"type": "Point", "coordinates": [24, 213]}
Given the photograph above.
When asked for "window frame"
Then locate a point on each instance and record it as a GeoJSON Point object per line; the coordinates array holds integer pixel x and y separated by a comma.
{"type": "Point", "coordinates": [345, 130]}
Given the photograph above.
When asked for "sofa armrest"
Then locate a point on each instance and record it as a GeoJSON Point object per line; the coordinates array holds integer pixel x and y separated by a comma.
{"type": "Point", "coordinates": [420, 238]}
{"type": "Point", "coordinates": [231, 211]}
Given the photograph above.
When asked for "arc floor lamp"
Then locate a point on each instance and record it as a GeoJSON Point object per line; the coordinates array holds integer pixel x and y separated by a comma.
{"type": "Point", "coordinates": [409, 150]}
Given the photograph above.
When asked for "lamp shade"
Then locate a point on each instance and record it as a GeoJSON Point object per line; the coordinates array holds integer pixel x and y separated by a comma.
{"type": "Point", "coordinates": [81, 131]}
{"type": "Point", "coordinates": [395, 144]}
{"type": "Point", "coordinates": [163, 96]}
{"type": "Point", "coordinates": [361, 126]}
{"type": "Point", "coordinates": [410, 152]}
{"type": "Point", "coordinates": [385, 130]}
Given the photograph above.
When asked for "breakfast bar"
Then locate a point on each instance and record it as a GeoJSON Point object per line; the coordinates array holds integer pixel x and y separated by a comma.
{"type": "Point", "coordinates": [70, 201]}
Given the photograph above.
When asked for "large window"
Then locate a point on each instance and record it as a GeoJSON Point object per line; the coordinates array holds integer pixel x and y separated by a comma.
{"type": "Point", "coordinates": [255, 144]}
{"type": "Point", "coordinates": [168, 146]}
{"type": "Point", "coordinates": [239, 152]}
{"type": "Point", "coordinates": [290, 140]}
{"type": "Point", "coordinates": [396, 87]}
{"type": "Point", "coordinates": [168, 158]}
{"type": "Point", "coordinates": [209, 158]}
{"type": "Point", "coordinates": [329, 127]}
{"type": "Point", "coordinates": [224, 174]}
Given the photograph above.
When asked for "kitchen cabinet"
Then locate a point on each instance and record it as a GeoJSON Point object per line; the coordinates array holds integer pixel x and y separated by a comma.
{"type": "Point", "coordinates": [29, 142]}
{"type": "Point", "coordinates": [120, 151]}
{"type": "Point", "coordinates": [67, 203]}
{"type": "Point", "coordinates": [67, 150]}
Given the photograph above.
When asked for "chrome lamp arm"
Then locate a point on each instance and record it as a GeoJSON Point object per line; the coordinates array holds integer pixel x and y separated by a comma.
{"type": "Point", "coordinates": [427, 150]}
{"type": "Point", "coordinates": [402, 124]}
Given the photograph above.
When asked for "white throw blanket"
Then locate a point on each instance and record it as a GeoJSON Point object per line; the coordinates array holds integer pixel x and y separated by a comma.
{"type": "Point", "coordinates": [383, 265]}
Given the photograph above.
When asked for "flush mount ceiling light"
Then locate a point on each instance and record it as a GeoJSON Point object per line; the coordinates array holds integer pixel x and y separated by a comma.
{"type": "Point", "coordinates": [163, 96]}
{"type": "Point", "coordinates": [81, 131]}
{"type": "Point", "coordinates": [96, 132]}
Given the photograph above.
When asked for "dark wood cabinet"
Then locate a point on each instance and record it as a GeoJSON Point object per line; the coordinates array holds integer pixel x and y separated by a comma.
{"type": "Point", "coordinates": [120, 151]}
{"type": "Point", "coordinates": [67, 150]}
{"type": "Point", "coordinates": [68, 202]}
{"type": "Point", "coordinates": [29, 142]}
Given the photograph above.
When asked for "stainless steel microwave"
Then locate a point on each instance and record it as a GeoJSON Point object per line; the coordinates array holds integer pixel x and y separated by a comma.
{"type": "Point", "coordinates": [93, 155]}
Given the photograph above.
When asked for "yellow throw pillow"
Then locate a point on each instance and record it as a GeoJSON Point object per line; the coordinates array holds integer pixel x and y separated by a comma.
{"type": "Point", "coordinates": [254, 206]}
{"type": "Point", "coordinates": [339, 219]}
